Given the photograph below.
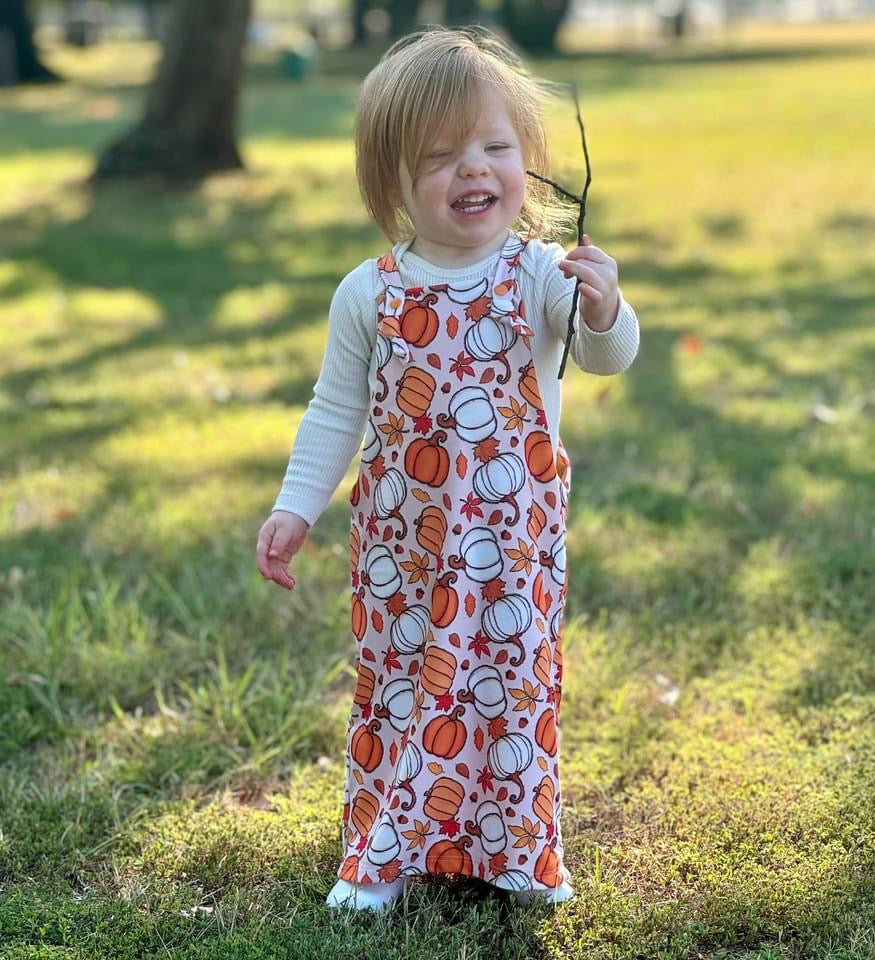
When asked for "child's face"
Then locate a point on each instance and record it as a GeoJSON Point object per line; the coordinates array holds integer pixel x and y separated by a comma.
{"type": "Point", "coordinates": [490, 162]}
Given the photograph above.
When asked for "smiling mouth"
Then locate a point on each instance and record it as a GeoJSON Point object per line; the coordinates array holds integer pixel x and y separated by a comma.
{"type": "Point", "coordinates": [476, 205]}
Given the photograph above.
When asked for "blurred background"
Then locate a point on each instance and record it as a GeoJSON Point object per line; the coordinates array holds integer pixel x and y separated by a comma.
{"type": "Point", "coordinates": [177, 206]}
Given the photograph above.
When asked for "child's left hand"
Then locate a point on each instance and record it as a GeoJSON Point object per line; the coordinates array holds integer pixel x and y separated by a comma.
{"type": "Point", "coordinates": [599, 302]}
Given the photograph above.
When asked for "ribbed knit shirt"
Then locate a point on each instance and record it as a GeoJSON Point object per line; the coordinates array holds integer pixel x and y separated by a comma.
{"type": "Point", "coordinates": [332, 427]}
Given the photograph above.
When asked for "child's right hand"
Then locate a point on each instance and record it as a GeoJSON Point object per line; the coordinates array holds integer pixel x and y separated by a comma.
{"type": "Point", "coordinates": [279, 540]}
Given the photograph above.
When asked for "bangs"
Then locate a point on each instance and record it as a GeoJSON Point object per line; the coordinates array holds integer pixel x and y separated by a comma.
{"type": "Point", "coordinates": [445, 112]}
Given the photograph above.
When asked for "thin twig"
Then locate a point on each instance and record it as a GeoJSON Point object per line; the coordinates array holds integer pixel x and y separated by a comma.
{"type": "Point", "coordinates": [581, 200]}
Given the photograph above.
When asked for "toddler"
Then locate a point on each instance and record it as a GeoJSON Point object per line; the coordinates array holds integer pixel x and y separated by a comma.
{"type": "Point", "coordinates": [441, 364]}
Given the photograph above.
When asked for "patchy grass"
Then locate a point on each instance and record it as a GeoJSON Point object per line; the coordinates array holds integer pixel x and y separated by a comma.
{"type": "Point", "coordinates": [172, 727]}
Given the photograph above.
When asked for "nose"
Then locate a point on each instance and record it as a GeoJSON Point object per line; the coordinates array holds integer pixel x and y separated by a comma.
{"type": "Point", "coordinates": [473, 163]}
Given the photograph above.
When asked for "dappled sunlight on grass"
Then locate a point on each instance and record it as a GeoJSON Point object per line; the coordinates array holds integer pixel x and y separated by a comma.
{"type": "Point", "coordinates": [173, 726]}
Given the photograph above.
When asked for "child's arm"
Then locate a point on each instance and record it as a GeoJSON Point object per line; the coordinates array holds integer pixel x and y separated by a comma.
{"type": "Point", "coordinates": [331, 429]}
{"type": "Point", "coordinates": [608, 350]}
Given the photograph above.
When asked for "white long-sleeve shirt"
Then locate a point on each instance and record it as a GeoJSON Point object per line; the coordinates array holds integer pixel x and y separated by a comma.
{"type": "Point", "coordinates": [331, 430]}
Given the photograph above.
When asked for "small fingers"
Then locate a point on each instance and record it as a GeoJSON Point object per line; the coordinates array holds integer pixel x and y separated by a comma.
{"type": "Point", "coordinates": [590, 292]}
{"type": "Point", "coordinates": [581, 270]}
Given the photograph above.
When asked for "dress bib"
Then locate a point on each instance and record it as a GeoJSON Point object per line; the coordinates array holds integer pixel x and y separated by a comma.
{"type": "Point", "coordinates": [457, 554]}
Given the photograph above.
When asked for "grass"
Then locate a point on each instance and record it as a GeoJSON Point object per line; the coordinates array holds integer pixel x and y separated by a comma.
{"type": "Point", "coordinates": [172, 727]}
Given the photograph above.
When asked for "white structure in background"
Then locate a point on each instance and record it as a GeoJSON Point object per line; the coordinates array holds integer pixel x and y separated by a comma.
{"type": "Point", "coordinates": [270, 27]}
{"type": "Point", "coordinates": [645, 15]}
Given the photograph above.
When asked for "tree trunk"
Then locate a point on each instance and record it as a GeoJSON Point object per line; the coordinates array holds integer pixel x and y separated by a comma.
{"type": "Point", "coordinates": [152, 19]}
{"type": "Point", "coordinates": [459, 12]}
{"type": "Point", "coordinates": [534, 24]}
{"type": "Point", "coordinates": [359, 34]}
{"type": "Point", "coordinates": [674, 16]}
{"type": "Point", "coordinates": [20, 62]}
{"type": "Point", "coordinates": [189, 128]}
{"type": "Point", "coordinates": [402, 14]}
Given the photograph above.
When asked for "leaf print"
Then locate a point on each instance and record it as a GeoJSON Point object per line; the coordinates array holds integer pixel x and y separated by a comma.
{"type": "Point", "coordinates": [462, 365]}
{"type": "Point", "coordinates": [486, 449]}
{"type": "Point", "coordinates": [487, 375]}
{"type": "Point", "coordinates": [497, 727]}
{"type": "Point", "coordinates": [417, 835]}
{"type": "Point", "coordinates": [484, 780]}
{"type": "Point", "coordinates": [434, 360]}
{"type": "Point", "coordinates": [478, 738]}
{"type": "Point", "coordinates": [479, 644]}
{"type": "Point", "coordinates": [471, 505]}
{"type": "Point", "coordinates": [417, 566]}
{"type": "Point", "coordinates": [515, 415]}
{"type": "Point", "coordinates": [493, 590]}
{"type": "Point", "coordinates": [452, 325]}
{"type": "Point", "coordinates": [377, 620]}
{"type": "Point", "coordinates": [498, 864]}
{"type": "Point", "coordinates": [390, 871]}
{"type": "Point", "coordinates": [435, 767]}
{"type": "Point", "coordinates": [478, 309]}
{"type": "Point", "coordinates": [422, 424]}
{"type": "Point", "coordinates": [527, 696]}
{"type": "Point", "coordinates": [528, 834]}
{"type": "Point", "coordinates": [462, 769]}
{"type": "Point", "coordinates": [523, 556]}
{"type": "Point", "coordinates": [462, 466]}
{"type": "Point", "coordinates": [449, 828]}
{"type": "Point", "coordinates": [396, 604]}
{"type": "Point", "coordinates": [445, 701]}
{"type": "Point", "coordinates": [470, 603]}
{"type": "Point", "coordinates": [394, 429]}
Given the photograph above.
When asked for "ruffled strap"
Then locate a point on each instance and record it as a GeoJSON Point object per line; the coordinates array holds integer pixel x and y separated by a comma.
{"type": "Point", "coordinates": [390, 306]}
{"type": "Point", "coordinates": [506, 301]}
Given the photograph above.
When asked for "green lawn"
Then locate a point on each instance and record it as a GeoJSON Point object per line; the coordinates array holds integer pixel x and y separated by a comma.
{"type": "Point", "coordinates": [172, 726]}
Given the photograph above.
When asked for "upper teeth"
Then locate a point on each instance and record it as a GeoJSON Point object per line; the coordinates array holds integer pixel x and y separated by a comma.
{"type": "Point", "coordinates": [475, 197]}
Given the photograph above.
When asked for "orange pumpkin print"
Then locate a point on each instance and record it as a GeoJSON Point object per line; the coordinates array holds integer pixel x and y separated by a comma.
{"type": "Point", "coordinates": [457, 556]}
{"type": "Point", "coordinates": [427, 460]}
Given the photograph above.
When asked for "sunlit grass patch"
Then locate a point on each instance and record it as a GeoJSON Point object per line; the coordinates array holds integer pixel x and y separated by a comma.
{"type": "Point", "coordinates": [172, 727]}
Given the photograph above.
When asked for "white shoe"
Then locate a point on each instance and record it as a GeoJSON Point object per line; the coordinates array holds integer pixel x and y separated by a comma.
{"type": "Point", "coordinates": [555, 895]}
{"type": "Point", "coordinates": [365, 896]}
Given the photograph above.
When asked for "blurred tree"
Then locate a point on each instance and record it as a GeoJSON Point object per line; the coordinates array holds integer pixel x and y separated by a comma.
{"type": "Point", "coordinates": [459, 12]}
{"type": "Point", "coordinates": [402, 14]}
{"type": "Point", "coordinates": [83, 22]}
{"type": "Point", "coordinates": [533, 24]}
{"type": "Point", "coordinates": [189, 127]}
{"type": "Point", "coordinates": [151, 15]}
{"type": "Point", "coordinates": [19, 60]}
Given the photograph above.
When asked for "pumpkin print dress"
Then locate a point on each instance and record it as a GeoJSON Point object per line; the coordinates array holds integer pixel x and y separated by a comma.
{"type": "Point", "coordinates": [457, 552]}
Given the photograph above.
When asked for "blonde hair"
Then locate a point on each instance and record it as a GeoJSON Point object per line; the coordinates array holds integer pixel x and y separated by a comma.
{"type": "Point", "coordinates": [425, 84]}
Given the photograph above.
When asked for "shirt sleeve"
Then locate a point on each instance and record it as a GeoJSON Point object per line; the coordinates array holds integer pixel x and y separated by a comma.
{"type": "Point", "coordinates": [603, 352]}
{"type": "Point", "coordinates": [331, 429]}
